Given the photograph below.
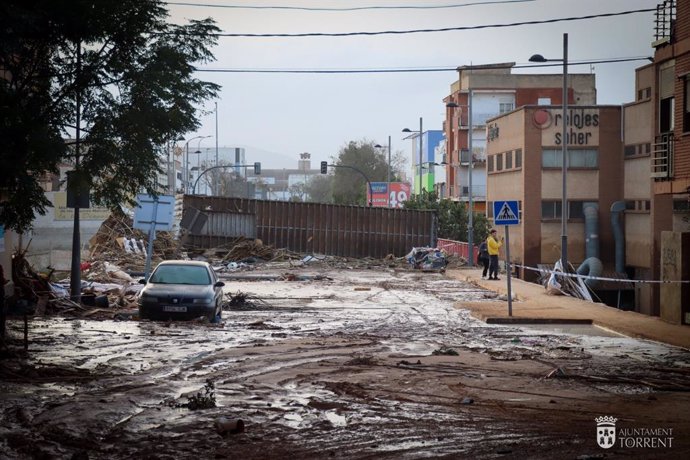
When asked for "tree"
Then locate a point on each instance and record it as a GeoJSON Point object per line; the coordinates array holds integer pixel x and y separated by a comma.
{"type": "Point", "coordinates": [357, 160]}
{"type": "Point", "coordinates": [452, 217]}
{"type": "Point", "coordinates": [320, 189]}
{"type": "Point", "coordinates": [114, 76]}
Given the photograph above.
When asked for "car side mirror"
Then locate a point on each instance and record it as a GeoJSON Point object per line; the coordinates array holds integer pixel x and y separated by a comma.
{"type": "Point", "coordinates": [142, 281]}
{"type": "Point", "coordinates": [219, 284]}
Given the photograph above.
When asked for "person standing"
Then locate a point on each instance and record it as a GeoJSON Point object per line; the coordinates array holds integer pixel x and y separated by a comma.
{"type": "Point", "coordinates": [493, 246]}
{"type": "Point", "coordinates": [483, 258]}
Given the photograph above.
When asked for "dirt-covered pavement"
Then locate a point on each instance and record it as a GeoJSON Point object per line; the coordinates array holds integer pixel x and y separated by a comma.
{"type": "Point", "coordinates": [337, 363]}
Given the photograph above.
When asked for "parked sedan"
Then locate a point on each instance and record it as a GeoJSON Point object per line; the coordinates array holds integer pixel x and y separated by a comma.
{"type": "Point", "coordinates": [181, 289]}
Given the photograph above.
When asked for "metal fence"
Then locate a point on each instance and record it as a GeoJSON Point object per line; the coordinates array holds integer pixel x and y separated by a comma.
{"type": "Point", "coordinates": [347, 231]}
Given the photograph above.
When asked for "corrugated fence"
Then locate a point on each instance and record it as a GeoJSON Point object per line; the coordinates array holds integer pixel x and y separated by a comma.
{"type": "Point", "coordinates": [347, 231]}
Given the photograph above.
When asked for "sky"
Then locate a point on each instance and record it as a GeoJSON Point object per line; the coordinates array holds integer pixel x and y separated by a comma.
{"type": "Point", "coordinates": [277, 116]}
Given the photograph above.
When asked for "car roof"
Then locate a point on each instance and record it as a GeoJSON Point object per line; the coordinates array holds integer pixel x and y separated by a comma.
{"type": "Point", "coordinates": [197, 263]}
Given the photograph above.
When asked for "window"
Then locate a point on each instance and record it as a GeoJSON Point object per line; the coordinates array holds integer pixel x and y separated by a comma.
{"type": "Point", "coordinates": [637, 149]}
{"type": "Point", "coordinates": [551, 158]}
{"type": "Point", "coordinates": [644, 93]}
{"type": "Point", "coordinates": [490, 163]}
{"type": "Point", "coordinates": [583, 158]}
{"type": "Point", "coordinates": [576, 210]}
{"type": "Point", "coordinates": [518, 158]}
{"type": "Point", "coordinates": [499, 162]}
{"type": "Point", "coordinates": [544, 101]}
{"type": "Point", "coordinates": [577, 158]}
{"type": "Point", "coordinates": [552, 210]}
{"type": "Point", "coordinates": [681, 205]}
{"type": "Point", "coordinates": [505, 107]}
{"type": "Point", "coordinates": [509, 160]}
{"type": "Point", "coordinates": [666, 97]}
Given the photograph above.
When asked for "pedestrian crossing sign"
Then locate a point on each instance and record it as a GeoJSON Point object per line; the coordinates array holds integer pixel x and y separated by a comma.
{"type": "Point", "coordinates": [506, 213]}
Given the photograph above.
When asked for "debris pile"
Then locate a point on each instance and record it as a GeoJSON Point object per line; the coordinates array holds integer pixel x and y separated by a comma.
{"type": "Point", "coordinates": [427, 258]}
{"type": "Point", "coordinates": [244, 249]}
{"type": "Point", "coordinates": [118, 242]}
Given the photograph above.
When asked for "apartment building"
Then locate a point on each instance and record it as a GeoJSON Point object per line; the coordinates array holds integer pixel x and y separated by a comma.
{"type": "Point", "coordinates": [481, 93]}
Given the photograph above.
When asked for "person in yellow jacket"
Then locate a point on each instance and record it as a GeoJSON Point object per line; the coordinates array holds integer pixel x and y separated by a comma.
{"type": "Point", "coordinates": [493, 245]}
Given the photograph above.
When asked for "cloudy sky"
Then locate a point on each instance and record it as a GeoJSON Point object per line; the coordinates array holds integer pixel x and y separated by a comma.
{"type": "Point", "coordinates": [290, 113]}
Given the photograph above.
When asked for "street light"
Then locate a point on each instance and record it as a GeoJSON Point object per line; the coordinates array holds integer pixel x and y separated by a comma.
{"type": "Point", "coordinates": [421, 133]}
{"type": "Point", "coordinates": [197, 152]}
{"type": "Point", "coordinates": [185, 175]}
{"type": "Point", "coordinates": [564, 147]}
{"type": "Point", "coordinates": [470, 206]}
{"type": "Point", "coordinates": [388, 171]}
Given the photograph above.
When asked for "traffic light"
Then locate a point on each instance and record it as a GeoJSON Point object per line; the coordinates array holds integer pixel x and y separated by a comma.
{"type": "Point", "coordinates": [257, 168]}
{"type": "Point", "coordinates": [324, 167]}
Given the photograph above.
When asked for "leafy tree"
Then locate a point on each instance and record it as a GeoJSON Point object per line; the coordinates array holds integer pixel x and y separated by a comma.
{"type": "Point", "coordinates": [128, 71]}
{"type": "Point", "coordinates": [320, 189]}
{"type": "Point", "coordinates": [453, 218]}
{"type": "Point", "coordinates": [357, 160]}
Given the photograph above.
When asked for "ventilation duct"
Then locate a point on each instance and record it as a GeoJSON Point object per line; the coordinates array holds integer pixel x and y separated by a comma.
{"type": "Point", "coordinates": [591, 212]}
{"type": "Point", "coordinates": [591, 266]}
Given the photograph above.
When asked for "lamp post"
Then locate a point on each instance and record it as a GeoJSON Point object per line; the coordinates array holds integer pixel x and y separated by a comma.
{"type": "Point", "coordinates": [185, 175]}
{"type": "Point", "coordinates": [215, 186]}
{"type": "Point", "coordinates": [388, 171]}
{"type": "Point", "coordinates": [470, 206]}
{"type": "Point", "coordinates": [186, 168]}
{"type": "Point", "coordinates": [421, 149]}
{"type": "Point", "coordinates": [564, 150]}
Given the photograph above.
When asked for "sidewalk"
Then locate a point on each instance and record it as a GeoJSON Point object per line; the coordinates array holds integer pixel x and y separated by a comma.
{"type": "Point", "coordinates": [531, 303]}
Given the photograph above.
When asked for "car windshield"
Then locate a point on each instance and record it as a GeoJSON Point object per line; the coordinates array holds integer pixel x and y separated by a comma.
{"type": "Point", "coordinates": [181, 274]}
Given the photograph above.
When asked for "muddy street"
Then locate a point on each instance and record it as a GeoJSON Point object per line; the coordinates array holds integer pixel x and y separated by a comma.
{"type": "Point", "coordinates": [335, 363]}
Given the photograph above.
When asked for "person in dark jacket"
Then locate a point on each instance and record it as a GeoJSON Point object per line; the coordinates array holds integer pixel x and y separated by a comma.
{"type": "Point", "coordinates": [483, 258]}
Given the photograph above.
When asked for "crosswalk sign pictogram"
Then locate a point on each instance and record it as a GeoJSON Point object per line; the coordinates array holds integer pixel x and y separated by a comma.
{"type": "Point", "coordinates": [506, 213]}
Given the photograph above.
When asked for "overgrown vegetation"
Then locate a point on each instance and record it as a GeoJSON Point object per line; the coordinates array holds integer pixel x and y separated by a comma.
{"type": "Point", "coordinates": [452, 217]}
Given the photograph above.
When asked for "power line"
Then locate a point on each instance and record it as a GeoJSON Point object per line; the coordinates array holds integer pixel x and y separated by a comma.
{"type": "Point", "coordinates": [412, 70]}
{"type": "Point", "coordinates": [336, 9]}
{"type": "Point", "coordinates": [445, 29]}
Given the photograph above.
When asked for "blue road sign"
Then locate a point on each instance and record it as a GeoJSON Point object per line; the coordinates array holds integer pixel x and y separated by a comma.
{"type": "Point", "coordinates": [506, 213]}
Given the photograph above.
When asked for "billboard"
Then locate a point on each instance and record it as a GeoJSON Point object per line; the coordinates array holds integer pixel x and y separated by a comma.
{"type": "Point", "coordinates": [384, 196]}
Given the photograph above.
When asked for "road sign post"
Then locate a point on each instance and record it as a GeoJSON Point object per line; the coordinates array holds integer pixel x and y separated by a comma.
{"type": "Point", "coordinates": [507, 213]}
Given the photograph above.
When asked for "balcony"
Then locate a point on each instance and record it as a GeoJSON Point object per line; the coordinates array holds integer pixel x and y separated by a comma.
{"type": "Point", "coordinates": [664, 23]}
{"type": "Point", "coordinates": [478, 192]}
{"type": "Point", "coordinates": [479, 156]}
{"type": "Point", "coordinates": [662, 157]}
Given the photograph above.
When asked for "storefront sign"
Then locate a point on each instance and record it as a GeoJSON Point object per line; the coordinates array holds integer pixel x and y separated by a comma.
{"type": "Point", "coordinates": [582, 126]}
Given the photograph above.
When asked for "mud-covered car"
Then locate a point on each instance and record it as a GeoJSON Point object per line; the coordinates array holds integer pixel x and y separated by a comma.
{"type": "Point", "coordinates": [181, 289]}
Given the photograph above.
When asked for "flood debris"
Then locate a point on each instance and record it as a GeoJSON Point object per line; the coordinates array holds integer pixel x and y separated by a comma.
{"type": "Point", "coordinates": [445, 351]}
{"type": "Point", "coordinates": [225, 425]}
{"type": "Point", "coordinates": [427, 258]}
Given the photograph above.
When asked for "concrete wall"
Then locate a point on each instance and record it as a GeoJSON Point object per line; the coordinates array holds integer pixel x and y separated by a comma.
{"type": "Point", "coordinates": [51, 235]}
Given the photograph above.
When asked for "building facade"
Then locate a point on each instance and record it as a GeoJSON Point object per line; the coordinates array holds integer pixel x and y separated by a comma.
{"type": "Point", "coordinates": [481, 93]}
{"type": "Point", "coordinates": [668, 84]}
{"type": "Point", "coordinates": [524, 163]}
